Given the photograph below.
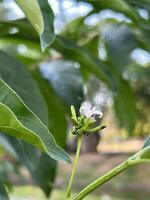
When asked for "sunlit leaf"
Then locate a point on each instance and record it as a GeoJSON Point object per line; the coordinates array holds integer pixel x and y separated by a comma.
{"type": "Point", "coordinates": [17, 120]}
{"type": "Point", "coordinates": [41, 17]}
{"type": "Point", "coordinates": [19, 79]}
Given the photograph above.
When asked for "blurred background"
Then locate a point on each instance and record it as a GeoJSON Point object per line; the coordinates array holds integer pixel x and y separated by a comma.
{"type": "Point", "coordinates": [101, 54]}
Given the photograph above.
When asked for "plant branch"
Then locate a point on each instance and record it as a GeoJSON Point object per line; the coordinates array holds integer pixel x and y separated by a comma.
{"type": "Point", "coordinates": [100, 181]}
{"type": "Point", "coordinates": [79, 143]}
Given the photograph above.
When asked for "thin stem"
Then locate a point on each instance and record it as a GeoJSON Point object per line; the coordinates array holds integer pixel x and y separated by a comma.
{"type": "Point", "coordinates": [79, 143]}
{"type": "Point", "coordinates": [100, 181]}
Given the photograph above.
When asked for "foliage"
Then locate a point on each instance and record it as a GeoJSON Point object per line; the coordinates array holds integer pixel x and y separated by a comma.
{"type": "Point", "coordinates": [33, 104]}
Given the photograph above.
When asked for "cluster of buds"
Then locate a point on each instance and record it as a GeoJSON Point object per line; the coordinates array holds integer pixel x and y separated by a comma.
{"type": "Point", "coordinates": [86, 123]}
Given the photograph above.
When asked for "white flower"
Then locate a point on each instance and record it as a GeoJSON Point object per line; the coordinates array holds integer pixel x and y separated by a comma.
{"type": "Point", "coordinates": [90, 111]}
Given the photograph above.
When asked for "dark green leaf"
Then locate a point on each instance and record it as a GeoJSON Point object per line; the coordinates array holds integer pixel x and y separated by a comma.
{"type": "Point", "coordinates": [66, 80]}
{"type": "Point", "coordinates": [116, 5]}
{"type": "Point", "coordinates": [17, 120]}
{"type": "Point", "coordinates": [18, 29]}
{"type": "Point", "coordinates": [142, 3]}
{"type": "Point", "coordinates": [120, 42]}
{"type": "Point", "coordinates": [19, 79]}
{"type": "Point", "coordinates": [41, 167]}
{"type": "Point", "coordinates": [44, 174]}
{"type": "Point", "coordinates": [93, 45]}
{"type": "Point", "coordinates": [124, 104]}
{"type": "Point", "coordinates": [56, 111]}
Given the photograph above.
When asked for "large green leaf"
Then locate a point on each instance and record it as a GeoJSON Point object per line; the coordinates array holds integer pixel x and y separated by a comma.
{"type": "Point", "coordinates": [65, 79]}
{"type": "Point", "coordinates": [41, 17]}
{"type": "Point", "coordinates": [3, 193]}
{"type": "Point", "coordinates": [69, 49]}
{"type": "Point", "coordinates": [19, 79]}
{"type": "Point", "coordinates": [17, 120]}
{"type": "Point", "coordinates": [124, 104]}
{"type": "Point", "coordinates": [56, 111]}
{"type": "Point", "coordinates": [26, 87]}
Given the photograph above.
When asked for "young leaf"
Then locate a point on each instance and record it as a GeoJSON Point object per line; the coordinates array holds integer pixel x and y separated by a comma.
{"type": "Point", "coordinates": [41, 16]}
{"type": "Point", "coordinates": [142, 156]}
{"type": "Point", "coordinates": [147, 143]}
{"type": "Point", "coordinates": [17, 120]}
{"type": "Point", "coordinates": [145, 152]}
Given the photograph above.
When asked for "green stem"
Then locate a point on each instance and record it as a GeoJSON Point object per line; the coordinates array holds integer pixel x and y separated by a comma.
{"type": "Point", "coordinates": [100, 181]}
{"type": "Point", "coordinates": [79, 143]}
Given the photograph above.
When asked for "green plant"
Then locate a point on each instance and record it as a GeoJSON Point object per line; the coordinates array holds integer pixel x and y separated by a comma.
{"type": "Point", "coordinates": [82, 128]}
{"type": "Point", "coordinates": [34, 107]}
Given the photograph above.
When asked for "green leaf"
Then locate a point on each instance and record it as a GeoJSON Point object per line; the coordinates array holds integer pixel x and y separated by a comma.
{"type": "Point", "coordinates": [17, 120]}
{"type": "Point", "coordinates": [116, 5]}
{"type": "Point", "coordinates": [81, 55]}
{"type": "Point", "coordinates": [147, 143]}
{"type": "Point", "coordinates": [93, 45]}
{"type": "Point", "coordinates": [21, 29]}
{"type": "Point", "coordinates": [120, 42]}
{"type": "Point", "coordinates": [31, 53]}
{"type": "Point", "coordinates": [41, 17]}
{"type": "Point", "coordinates": [3, 192]}
{"type": "Point", "coordinates": [45, 177]}
{"type": "Point", "coordinates": [142, 156]}
{"type": "Point", "coordinates": [66, 80]}
{"type": "Point", "coordinates": [124, 104]}
{"type": "Point", "coordinates": [145, 153]}
{"type": "Point", "coordinates": [26, 87]}
{"type": "Point", "coordinates": [33, 160]}
{"type": "Point", "coordinates": [56, 111]}
{"type": "Point", "coordinates": [20, 80]}
{"type": "Point", "coordinates": [142, 3]}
